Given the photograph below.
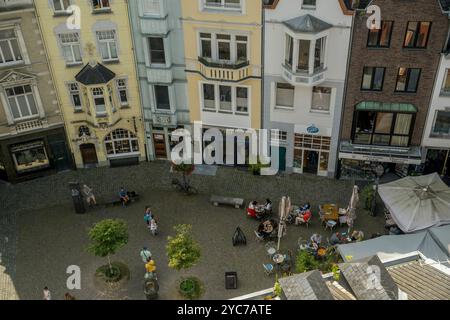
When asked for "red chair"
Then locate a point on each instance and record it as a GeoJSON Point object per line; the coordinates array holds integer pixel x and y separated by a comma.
{"type": "Point", "coordinates": [252, 213]}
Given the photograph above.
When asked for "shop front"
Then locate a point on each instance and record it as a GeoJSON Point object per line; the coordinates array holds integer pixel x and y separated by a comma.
{"type": "Point", "coordinates": [360, 162]}
{"type": "Point", "coordinates": [438, 160]}
{"type": "Point", "coordinates": [30, 156]}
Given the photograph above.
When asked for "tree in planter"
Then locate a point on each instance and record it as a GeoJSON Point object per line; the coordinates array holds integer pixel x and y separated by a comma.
{"type": "Point", "coordinates": [107, 237]}
{"type": "Point", "coordinates": [183, 253]}
{"type": "Point", "coordinates": [368, 195]}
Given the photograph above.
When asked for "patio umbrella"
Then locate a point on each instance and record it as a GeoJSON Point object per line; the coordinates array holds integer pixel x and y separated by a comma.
{"type": "Point", "coordinates": [285, 207]}
{"type": "Point", "coordinates": [353, 203]}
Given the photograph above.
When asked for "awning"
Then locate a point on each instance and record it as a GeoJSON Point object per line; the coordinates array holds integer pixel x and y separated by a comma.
{"type": "Point", "coordinates": [386, 107]}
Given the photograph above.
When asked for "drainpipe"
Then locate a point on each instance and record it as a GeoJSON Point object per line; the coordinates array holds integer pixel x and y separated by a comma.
{"type": "Point", "coordinates": [344, 98]}
{"type": "Point", "coordinates": [263, 56]}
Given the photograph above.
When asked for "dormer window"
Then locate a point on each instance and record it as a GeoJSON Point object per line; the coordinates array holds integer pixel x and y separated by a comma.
{"type": "Point", "coordinates": [9, 47]}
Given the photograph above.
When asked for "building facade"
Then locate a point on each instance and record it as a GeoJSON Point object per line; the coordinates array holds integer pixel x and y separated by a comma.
{"type": "Point", "coordinates": [89, 44]}
{"type": "Point", "coordinates": [390, 81]}
{"type": "Point", "coordinates": [306, 51]}
{"type": "Point", "coordinates": [159, 50]}
{"type": "Point", "coordinates": [223, 41]}
{"type": "Point", "coordinates": [32, 136]}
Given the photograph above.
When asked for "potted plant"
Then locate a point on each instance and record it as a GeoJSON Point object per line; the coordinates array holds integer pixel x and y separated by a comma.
{"type": "Point", "coordinates": [183, 253]}
{"type": "Point", "coordinates": [368, 195]}
{"type": "Point", "coordinates": [255, 168]}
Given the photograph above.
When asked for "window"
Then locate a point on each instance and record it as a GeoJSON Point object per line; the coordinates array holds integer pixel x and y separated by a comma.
{"type": "Point", "coordinates": [285, 95]}
{"type": "Point", "coordinates": [74, 91]}
{"type": "Point", "coordinates": [30, 156]}
{"type": "Point", "coordinates": [151, 7]}
{"type": "Point", "coordinates": [205, 43]}
{"type": "Point", "coordinates": [242, 100]}
{"type": "Point", "coordinates": [9, 47]}
{"type": "Point", "coordinates": [383, 128]}
{"type": "Point", "coordinates": [407, 80]}
{"type": "Point", "coordinates": [321, 99]}
{"type": "Point", "coordinates": [441, 126]}
{"type": "Point", "coordinates": [417, 34]}
{"type": "Point", "coordinates": [380, 38]}
{"type": "Point", "coordinates": [319, 53]}
{"type": "Point", "coordinates": [224, 46]}
{"type": "Point", "coordinates": [61, 5]}
{"type": "Point", "coordinates": [309, 4]}
{"type": "Point", "coordinates": [108, 45]}
{"type": "Point", "coordinates": [209, 100]}
{"type": "Point", "coordinates": [289, 50]}
{"type": "Point", "coordinates": [225, 99]}
{"type": "Point", "coordinates": [112, 103]}
{"type": "Point", "coordinates": [241, 48]}
{"type": "Point", "coordinates": [162, 97]}
{"type": "Point", "coordinates": [373, 78]}
{"type": "Point", "coordinates": [278, 136]}
{"type": "Point", "coordinates": [21, 102]}
{"type": "Point", "coordinates": [121, 141]}
{"type": "Point", "coordinates": [223, 4]}
{"type": "Point", "coordinates": [157, 54]}
{"type": "Point", "coordinates": [100, 5]}
{"type": "Point", "coordinates": [303, 56]}
{"type": "Point", "coordinates": [70, 44]}
{"type": "Point", "coordinates": [99, 102]}
{"type": "Point", "coordinates": [446, 86]}
{"type": "Point", "coordinates": [122, 90]}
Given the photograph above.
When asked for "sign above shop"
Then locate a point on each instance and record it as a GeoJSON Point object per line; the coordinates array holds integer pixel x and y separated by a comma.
{"type": "Point", "coordinates": [312, 129]}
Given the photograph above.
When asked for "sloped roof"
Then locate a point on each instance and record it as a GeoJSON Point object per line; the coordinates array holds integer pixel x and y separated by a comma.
{"type": "Point", "coordinates": [98, 74]}
{"type": "Point", "coordinates": [421, 281]}
{"type": "Point", "coordinates": [307, 24]}
{"type": "Point", "coordinates": [369, 279]}
{"type": "Point", "coordinates": [306, 286]}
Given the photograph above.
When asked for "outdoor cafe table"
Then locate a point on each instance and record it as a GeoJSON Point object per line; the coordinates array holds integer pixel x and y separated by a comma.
{"type": "Point", "coordinates": [331, 212]}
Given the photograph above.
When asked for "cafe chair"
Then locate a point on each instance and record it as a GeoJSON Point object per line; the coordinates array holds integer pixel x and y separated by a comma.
{"type": "Point", "coordinates": [259, 238]}
{"type": "Point", "coordinates": [330, 224]}
{"type": "Point", "coordinates": [268, 268]}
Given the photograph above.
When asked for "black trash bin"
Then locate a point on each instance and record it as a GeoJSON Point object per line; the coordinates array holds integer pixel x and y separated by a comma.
{"type": "Point", "coordinates": [77, 197]}
{"type": "Point", "coordinates": [231, 280]}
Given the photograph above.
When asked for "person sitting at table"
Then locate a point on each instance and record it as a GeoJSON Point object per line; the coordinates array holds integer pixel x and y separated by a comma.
{"type": "Point", "coordinates": [357, 236]}
{"type": "Point", "coordinates": [316, 239]}
{"type": "Point", "coordinates": [263, 230]}
{"type": "Point", "coordinates": [251, 210]}
{"type": "Point", "coordinates": [303, 218]}
{"type": "Point", "coordinates": [268, 207]}
{"type": "Point", "coordinates": [124, 198]}
{"type": "Point", "coordinates": [335, 239]}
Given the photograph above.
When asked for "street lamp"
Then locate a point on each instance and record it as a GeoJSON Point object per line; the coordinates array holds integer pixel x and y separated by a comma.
{"type": "Point", "coordinates": [379, 171]}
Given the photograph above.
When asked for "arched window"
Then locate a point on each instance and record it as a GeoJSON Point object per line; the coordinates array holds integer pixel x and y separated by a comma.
{"type": "Point", "coordinates": [121, 141]}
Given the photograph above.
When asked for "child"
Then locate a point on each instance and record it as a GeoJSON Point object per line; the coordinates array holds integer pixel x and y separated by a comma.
{"type": "Point", "coordinates": [153, 226]}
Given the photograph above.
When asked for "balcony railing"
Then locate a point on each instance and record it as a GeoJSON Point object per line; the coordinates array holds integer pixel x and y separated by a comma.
{"type": "Point", "coordinates": [223, 71]}
{"type": "Point", "coordinates": [29, 126]}
{"type": "Point", "coordinates": [304, 78]}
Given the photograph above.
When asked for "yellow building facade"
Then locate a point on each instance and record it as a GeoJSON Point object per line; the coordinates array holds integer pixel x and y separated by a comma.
{"type": "Point", "coordinates": [223, 62]}
{"type": "Point", "coordinates": [89, 44]}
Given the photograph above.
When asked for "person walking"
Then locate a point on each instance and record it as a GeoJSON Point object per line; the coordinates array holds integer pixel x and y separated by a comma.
{"type": "Point", "coordinates": [146, 255]}
{"type": "Point", "coordinates": [89, 195]}
{"type": "Point", "coordinates": [153, 226]}
{"type": "Point", "coordinates": [148, 215]}
{"type": "Point", "coordinates": [47, 294]}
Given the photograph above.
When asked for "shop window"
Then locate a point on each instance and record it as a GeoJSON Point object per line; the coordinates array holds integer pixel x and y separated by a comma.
{"type": "Point", "coordinates": [30, 156]}
{"type": "Point", "coordinates": [121, 141]}
{"type": "Point", "coordinates": [285, 95]}
{"type": "Point", "coordinates": [441, 126]}
{"type": "Point", "coordinates": [324, 158]}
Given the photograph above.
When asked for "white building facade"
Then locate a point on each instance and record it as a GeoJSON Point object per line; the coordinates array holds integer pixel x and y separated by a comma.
{"type": "Point", "coordinates": [305, 61]}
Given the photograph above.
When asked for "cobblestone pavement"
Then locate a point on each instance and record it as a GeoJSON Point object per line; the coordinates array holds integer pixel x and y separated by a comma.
{"type": "Point", "coordinates": [46, 236]}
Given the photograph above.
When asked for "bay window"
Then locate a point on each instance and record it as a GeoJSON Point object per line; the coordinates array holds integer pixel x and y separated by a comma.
{"type": "Point", "coordinates": [223, 48]}
{"type": "Point", "coordinates": [157, 51]}
{"type": "Point", "coordinates": [289, 53]}
{"type": "Point", "coordinates": [122, 90]}
{"type": "Point", "coordinates": [162, 97]}
{"type": "Point", "coordinates": [99, 102]}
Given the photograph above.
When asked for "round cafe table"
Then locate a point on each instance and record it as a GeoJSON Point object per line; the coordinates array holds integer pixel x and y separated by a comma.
{"type": "Point", "coordinates": [278, 258]}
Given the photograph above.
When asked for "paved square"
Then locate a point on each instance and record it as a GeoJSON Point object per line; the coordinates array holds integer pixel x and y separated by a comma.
{"type": "Point", "coordinates": [46, 236]}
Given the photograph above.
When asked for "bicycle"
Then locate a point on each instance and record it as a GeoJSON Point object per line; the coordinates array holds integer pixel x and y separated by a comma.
{"type": "Point", "coordinates": [184, 187]}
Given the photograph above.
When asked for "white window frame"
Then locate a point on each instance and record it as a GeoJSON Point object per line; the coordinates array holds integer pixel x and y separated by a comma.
{"type": "Point", "coordinates": [101, 8]}
{"type": "Point", "coordinates": [216, 108]}
{"type": "Point", "coordinates": [318, 110]}
{"type": "Point", "coordinates": [215, 45]}
{"type": "Point", "coordinates": [108, 43]}
{"type": "Point", "coordinates": [223, 6]}
{"type": "Point", "coordinates": [74, 89]}
{"type": "Point", "coordinates": [97, 93]}
{"type": "Point", "coordinates": [275, 95]}
{"type": "Point", "coordinates": [71, 45]}
{"type": "Point", "coordinates": [26, 95]}
{"type": "Point", "coordinates": [156, 100]}
{"type": "Point", "coordinates": [130, 137]}
{"type": "Point", "coordinates": [17, 38]}
{"type": "Point", "coordinates": [120, 88]}
{"type": "Point", "coordinates": [61, 2]}
{"type": "Point", "coordinates": [158, 4]}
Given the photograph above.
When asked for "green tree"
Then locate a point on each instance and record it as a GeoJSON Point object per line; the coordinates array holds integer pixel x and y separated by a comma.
{"type": "Point", "coordinates": [306, 262]}
{"type": "Point", "coordinates": [107, 237]}
{"type": "Point", "coordinates": [182, 250]}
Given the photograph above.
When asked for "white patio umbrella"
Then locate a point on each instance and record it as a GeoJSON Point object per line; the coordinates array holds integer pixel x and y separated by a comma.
{"type": "Point", "coordinates": [354, 200]}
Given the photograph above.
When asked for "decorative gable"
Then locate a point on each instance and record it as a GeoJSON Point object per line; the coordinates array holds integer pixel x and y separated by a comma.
{"type": "Point", "coordinates": [14, 77]}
